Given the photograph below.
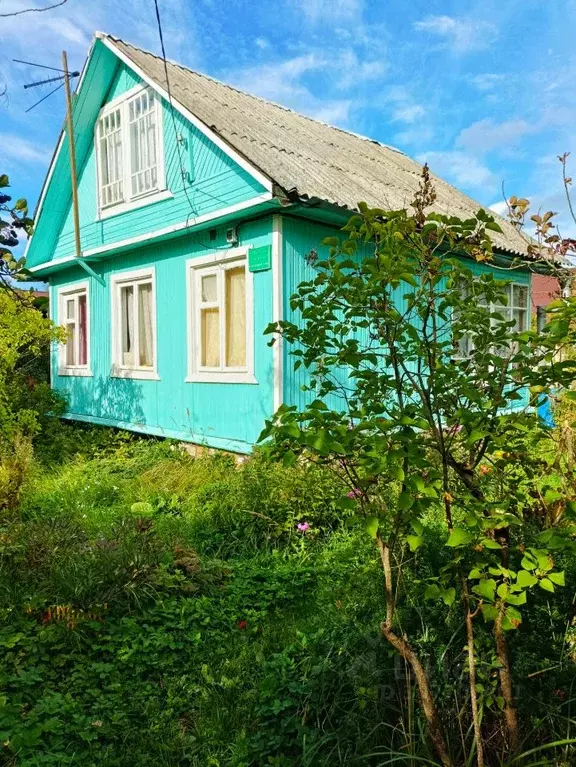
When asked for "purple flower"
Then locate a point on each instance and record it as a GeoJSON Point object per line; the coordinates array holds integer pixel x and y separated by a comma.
{"type": "Point", "coordinates": [356, 493]}
{"type": "Point", "coordinates": [303, 526]}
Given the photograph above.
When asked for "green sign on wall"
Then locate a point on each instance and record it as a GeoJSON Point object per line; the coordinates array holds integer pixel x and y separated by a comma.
{"type": "Point", "coordinates": [260, 259]}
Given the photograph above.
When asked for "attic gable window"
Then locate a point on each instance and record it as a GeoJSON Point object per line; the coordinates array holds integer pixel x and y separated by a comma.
{"type": "Point", "coordinates": [129, 149]}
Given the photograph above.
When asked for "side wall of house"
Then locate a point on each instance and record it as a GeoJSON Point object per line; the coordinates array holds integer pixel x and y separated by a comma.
{"type": "Point", "coordinates": [224, 415]}
{"type": "Point", "coordinates": [300, 238]}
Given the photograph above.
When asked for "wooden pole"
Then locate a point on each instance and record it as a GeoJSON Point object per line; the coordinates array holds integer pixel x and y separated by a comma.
{"type": "Point", "coordinates": [70, 130]}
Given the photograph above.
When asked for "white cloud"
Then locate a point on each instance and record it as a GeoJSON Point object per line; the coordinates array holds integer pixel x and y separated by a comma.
{"type": "Point", "coordinates": [316, 82]}
{"type": "Point", "coordinates": [262, 43]}
{"type": "Point", "coordinates": [417, 135]}
{"type": "Point", "coordinates": [408, 113]}
{"type": "Point", "coordinates": [460, 35]}
{"type": "Point", "coordinates": [461, 169]}
{"type": "Point", "coordinates": [281, 82]}
{"type": "Point", "coordinates": [14, 150]}
{"type": "Point", "coordinates": [486, 135]}
{"type": "Point", "coordinates": [337, 11]}
{"type": "Point", "coordinates": [487, 81]}
{"type": "Point", "coordinates": [501, 207]}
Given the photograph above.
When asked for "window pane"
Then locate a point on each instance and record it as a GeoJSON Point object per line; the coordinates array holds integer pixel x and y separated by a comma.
{"type": "Point", "coordinates": [520, 319]}
{"type": "Point", "coordinates": [143, 153]}
{"type": "Point", "coordinates": [145, 330]}
{"type": "Point", "coordinates": [70, 314]}
{"type": "Point", "coordinates": [71, 344]}
{"type": "Point", "coordinates": [210, 338]}
{"type": "Point", "coordinates": [82, 331]}
{"type": "Point", "coordinates": [127, 324]}
{"type": "Point", "coordinates": [520, 296]}
{"type": "Point", "coordinates": [110, 151]}
{"type": "Point", "coordinates": [235, 317]}
{"type": "Point", "coordinates": [209, 288]}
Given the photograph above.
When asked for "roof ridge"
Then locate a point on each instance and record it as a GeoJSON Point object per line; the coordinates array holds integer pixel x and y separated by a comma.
{"type": "Point", "coordinates": [252, 95]}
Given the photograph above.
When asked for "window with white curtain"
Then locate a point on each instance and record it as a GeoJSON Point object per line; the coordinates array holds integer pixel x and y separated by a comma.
{"type": "Point", "coordinates": [129, 148]}
{"type": "Point", "coordinates": [516, 308]}
{"type": "Point", "coordinates": [220, 318]}
{"type": "Point", "coordinates": [73, 315]}
{"type": "Point", "coordinates": [134, 325]}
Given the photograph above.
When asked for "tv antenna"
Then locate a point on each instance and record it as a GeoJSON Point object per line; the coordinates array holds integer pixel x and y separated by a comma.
{"type": "Point", "coordinates": [64, 76]}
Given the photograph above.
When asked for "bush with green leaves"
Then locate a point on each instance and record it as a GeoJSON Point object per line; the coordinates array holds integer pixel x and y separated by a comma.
{"type": "Point", "coordinates": [408, 422]}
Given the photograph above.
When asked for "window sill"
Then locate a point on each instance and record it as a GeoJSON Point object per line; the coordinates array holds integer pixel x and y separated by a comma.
{"type": "Point", "coordinates": [224, 377]}
{"type": "Point", "coordinates": [71, 371]}
{"type": "Point", "coordinates": [139, 202]}
{"type": "Point", "coordinates": [143, 375]}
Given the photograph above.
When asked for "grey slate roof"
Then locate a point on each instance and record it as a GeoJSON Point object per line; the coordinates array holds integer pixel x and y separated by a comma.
{"type": "Point", "coordinates": [304, 155]}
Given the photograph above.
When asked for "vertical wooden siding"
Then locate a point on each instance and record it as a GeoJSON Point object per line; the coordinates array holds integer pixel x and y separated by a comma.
{"type": "Point", "coordinates": [226, 415]}
{"type": "Point", "coordinates": [299, 238]}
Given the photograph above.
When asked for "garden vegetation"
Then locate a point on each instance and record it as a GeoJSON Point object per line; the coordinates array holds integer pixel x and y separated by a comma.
{"type": "Point", "coordinates": [388, 580]}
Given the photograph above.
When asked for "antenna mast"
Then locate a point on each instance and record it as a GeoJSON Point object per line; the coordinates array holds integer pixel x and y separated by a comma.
{"type": "Point", "coordinates": [72, 147]}
{"type": "Point", "coordinates": [65, 77]}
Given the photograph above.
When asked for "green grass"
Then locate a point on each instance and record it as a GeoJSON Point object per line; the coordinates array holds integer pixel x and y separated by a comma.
{"type": "Point", "coordinates": [162, 610]}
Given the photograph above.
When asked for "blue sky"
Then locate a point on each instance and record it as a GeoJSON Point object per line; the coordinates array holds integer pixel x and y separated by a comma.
{"type": "Point", "coordinates": [483, 90]}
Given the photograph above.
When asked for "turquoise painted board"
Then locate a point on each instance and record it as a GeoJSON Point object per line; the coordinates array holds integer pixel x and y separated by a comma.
{"type": "Point", "coordinates": [300, 237]}
{"type": "Point", "coordinates": [224, 415]}
{"type": "Point", "coordinates": [213, 180]}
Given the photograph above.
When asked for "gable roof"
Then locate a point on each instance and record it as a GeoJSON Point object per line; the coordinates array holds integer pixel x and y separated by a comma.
{"type": "Point", "coordinates": [305, 156]}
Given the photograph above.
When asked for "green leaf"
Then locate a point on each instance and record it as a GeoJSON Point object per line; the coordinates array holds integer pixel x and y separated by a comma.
{"type": "Point", "coordinates": [546, 584]}
{"type": "Point", "coordinates": [475, 436]}
{"type": "Point", "coordinates": [405, 501]}
{"type": "Point", "coordinates": [516, 599]}
{"type": "Point", "coordinates": [414, 541]}
{"type": "Point", "coordinates": [448, 596]}
{"type": "Point", "coordinates": [486, 589]}
{"type": "Point", "coordinates": [372, 526]}
{"type": "Point", "coordinates": [557, 578]}
{"type": "Point", "coordinates": [289, 458]}
{"type": "Point", "coordinates": [459, 537]}
{"type": "Point", "coordinates": [526, 579]}
{"type": "Point", "coordinates": [432, 592]}
{"type": "Point", "coordinates": [141, 507]}
{"type": "Point", "coordinates": [489, 612]}
{"type": "Point", "coordinates": [512, 619]}
{"type": "Point", "coordinates": [490, 543]}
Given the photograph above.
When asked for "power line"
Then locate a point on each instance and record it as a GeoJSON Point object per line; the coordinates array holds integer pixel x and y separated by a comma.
{"type": "Point", "coordinates": [183, 172]}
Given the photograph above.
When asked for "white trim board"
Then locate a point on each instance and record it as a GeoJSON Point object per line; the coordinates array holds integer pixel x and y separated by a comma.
{"type": "Point", "coordinates": [149, 236]}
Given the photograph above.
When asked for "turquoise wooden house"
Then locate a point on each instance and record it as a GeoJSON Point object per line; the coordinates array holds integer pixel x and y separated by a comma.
{"type": "Point", "coordinates": [198, 205]}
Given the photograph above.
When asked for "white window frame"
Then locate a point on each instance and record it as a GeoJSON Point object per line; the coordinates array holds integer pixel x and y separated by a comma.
{"type": "Point", "coordinates": [118, 369]}
{"type": "Point", "coordinates": [131, 202]}
{"type": "Point", "coordinates": [195, 269]}
{"type": "Point", "coordinates": [506, 310]}
{"type": "Point", "coordinates": [64, 293]}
